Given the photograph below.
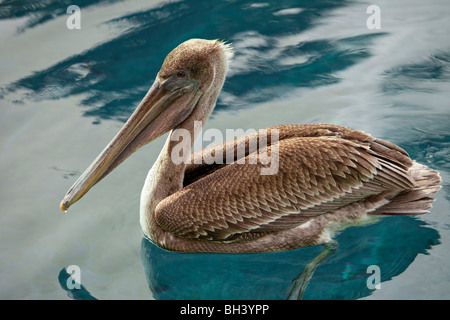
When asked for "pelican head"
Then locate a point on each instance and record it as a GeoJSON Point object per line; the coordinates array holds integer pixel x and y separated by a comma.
{"type": "Point", "coordinates": [189, 82]}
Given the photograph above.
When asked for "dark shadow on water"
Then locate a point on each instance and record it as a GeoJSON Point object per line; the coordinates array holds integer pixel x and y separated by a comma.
{"type": "Point", "coordinates": [419, 76]}
{"type": "Point", "coordinates": [114, 76]}
{"type": "Point", "coordinates": [76, 291]}
{"type": "Point", "coordinates": [392, 244]}
{"type": "Point", "coordinates": [39, 12]}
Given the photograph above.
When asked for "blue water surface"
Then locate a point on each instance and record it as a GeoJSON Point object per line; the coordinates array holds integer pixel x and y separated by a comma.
{"type": "Point", "coordinates": [65, 93]}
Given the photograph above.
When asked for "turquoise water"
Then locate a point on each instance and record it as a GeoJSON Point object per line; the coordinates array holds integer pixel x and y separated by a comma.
{"type": "Point", "coordinates": [65, 93]}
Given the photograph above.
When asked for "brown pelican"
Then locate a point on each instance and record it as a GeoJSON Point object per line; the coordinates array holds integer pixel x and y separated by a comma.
{"type": "Point", "coordinates": [328, 176]}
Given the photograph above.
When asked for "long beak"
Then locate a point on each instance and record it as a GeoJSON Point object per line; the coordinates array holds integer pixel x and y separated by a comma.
{"type": "Point", "coordinates": [158, 112]}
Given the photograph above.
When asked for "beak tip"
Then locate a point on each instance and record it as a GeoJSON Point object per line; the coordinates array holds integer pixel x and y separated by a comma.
{"type": "Point", "coordinates": [64, 205]}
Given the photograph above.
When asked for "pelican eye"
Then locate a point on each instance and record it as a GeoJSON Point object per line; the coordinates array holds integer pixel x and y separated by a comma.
{"type": "Point", "coordinates": [181, 74]}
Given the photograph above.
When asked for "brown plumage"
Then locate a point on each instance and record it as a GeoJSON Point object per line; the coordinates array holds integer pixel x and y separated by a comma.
{"type": "Point", "coordinates": [328, 176]}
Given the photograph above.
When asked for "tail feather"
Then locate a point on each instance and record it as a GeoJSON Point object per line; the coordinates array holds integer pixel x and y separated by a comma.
{"type": "Point", "coordinates": [417, 200]}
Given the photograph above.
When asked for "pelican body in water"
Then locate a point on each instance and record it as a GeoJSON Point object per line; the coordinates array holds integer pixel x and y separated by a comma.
{"type": "Point", "coordinates": [328, 176]}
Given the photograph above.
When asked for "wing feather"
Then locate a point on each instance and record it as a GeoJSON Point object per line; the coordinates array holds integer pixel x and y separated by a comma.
{"type": "Point", "coordinates": [321, 168]}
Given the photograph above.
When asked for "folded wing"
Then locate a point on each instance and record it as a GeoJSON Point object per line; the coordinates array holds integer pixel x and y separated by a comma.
{"type": "Point", "coordinates": [321, 168]}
